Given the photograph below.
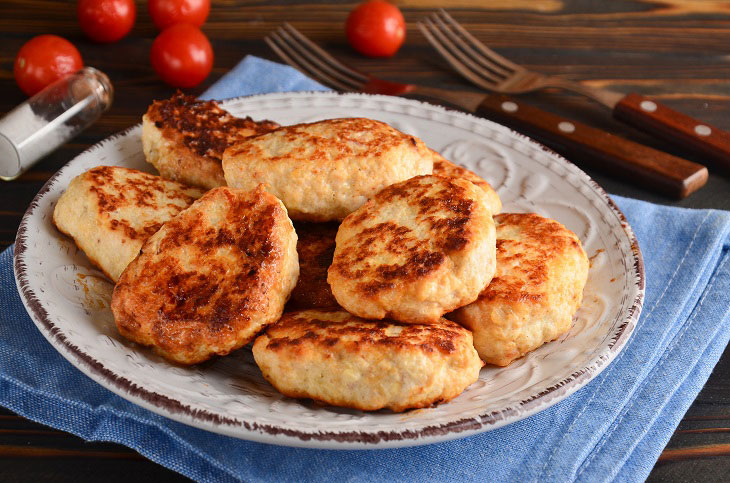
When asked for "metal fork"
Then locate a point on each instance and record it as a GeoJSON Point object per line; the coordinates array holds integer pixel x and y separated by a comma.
{"type": "Point", "coordinates": [489, 70]}
{"type": "Point", "coordinates": [658, 170]}
{"type": "Point", "coordinates": [303, 54]}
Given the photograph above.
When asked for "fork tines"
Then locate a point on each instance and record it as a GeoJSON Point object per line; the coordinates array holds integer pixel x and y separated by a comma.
{"type": "Point", "coordinates": [297, 50]}
{"type": "Point", "coordinates": [465, 53]}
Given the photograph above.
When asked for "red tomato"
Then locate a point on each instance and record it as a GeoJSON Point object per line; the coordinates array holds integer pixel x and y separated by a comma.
{"type": "Point", "coordinates": [169, 12]}
{"type": "Point", "coordinates": [182, 56]}
{"type": "Point", "coordinates": [106, 20]}
{"type": "Point", "coordinates": [376, 28]}
{"type": "Point", "coordinates": [44, 59]}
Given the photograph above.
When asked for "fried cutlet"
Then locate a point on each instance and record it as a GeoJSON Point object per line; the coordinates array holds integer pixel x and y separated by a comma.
{"type": "Point", "coordinates": [538, 286]}
{"type": "Point", "coordinates": [418, 249]}
{"type": "Point", "coordinates": [315, 246]}
{"type": "Point", "coordinates": [445, 168]}
{"type": "Point", "coordinates": [339, 359]}
{"type": "Point", "coordinates": [111, 211]}
{"type": "Point", "coordinates": [325, 170]}
{"type": "Point", "coordinates": [184, 138]}
{"type": "Point", "coordinates": [211, 278]}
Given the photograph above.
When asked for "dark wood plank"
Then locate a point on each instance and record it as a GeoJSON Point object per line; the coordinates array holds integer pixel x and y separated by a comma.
{"type": "Point", "coordinates": [32, 452]}
{"type": "Point", "coordinates": [673, 50]}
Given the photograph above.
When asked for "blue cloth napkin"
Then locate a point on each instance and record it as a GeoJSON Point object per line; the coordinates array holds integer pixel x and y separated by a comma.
{"type": "Point", "coordinates": [259, 76]}
{"type": "Point", "coordinates": [612, 429]}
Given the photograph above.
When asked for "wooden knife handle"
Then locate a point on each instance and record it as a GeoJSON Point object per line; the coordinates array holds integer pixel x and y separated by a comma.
{"type": "Point", "coordinates": [675, 127]}
{"type": "Point", "coordinates": [630, 161]}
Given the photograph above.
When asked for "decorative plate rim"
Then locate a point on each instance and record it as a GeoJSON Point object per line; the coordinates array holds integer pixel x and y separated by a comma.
{"type": "Point", "coordinates": [176, 410]}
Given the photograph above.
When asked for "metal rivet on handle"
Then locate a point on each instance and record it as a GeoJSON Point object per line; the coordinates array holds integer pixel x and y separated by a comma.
{"type": "Point", "coordinates": [703, 130]}
{"type": "Point", "coordinates": [648, 106]}
{"type": "Point", "coordinates": [566, 126]}
{"type": "Point", "coordinates": [509, 106]}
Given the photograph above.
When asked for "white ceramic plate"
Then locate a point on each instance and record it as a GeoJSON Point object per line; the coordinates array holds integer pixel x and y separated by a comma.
{"type": "Point", "coordinates": [69, 300]}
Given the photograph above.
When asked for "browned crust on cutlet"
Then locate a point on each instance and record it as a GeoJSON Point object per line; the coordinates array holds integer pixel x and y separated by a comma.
{"type": "Point", "coordinates": [447, 169]}
{"type": "Point", "coordinates": [541, 239]}
{"type": "Point", "coordinates": [203, 126]}
{"type": "Point", "coordinates": [194, 135]}
{"type": "Point", "coordinates": [447, 235]}
{"type": "Point", "coordinates": [297, 329]}
{"type": "Point", "coordinates": [111, 194]}
{"type": "Point", "coordinates": [315, 247]}
{"type": "Point", "coordinates": [110, 211]}
{"type": "Point", "coordinates": [348, 133]}
{"type": "Point", "coordinates": [219, 291]}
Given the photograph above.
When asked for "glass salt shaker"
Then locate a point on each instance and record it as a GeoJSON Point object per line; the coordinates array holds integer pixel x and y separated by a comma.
{"type": "Point", "coordinates": [50, 118]}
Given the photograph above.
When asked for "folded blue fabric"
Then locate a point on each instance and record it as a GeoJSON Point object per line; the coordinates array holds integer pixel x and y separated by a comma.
{"type": "Point", "coordinates": [613, 428]}
{"type": "Point", "coordinates": [259, 76]}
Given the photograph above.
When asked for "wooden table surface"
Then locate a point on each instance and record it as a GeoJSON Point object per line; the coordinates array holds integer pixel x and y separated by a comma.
{"type": "Point", "coordinates": [674, 50]}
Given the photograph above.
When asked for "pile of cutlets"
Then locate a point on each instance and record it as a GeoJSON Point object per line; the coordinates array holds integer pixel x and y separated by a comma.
{"type": "Point", "coordinates": [368, 271]}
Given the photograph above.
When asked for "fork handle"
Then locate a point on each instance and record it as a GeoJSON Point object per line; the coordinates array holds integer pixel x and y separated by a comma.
{"type": "Point", "coordinates": [633, 162]}
{"type": "Point", "coordinates": [666, 123]}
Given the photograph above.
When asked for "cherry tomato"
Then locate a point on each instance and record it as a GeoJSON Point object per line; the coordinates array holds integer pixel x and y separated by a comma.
{"type": "Point", "coordinates": [169, 12]}
{"type": "Point", "coordinates": [106, 20]}
{"type": "Point", "coordinates": [44, 59]}
{"type": "Point", "coordinates": [182, 56]}
{"type": "Point", "coordinates": [376, 28]}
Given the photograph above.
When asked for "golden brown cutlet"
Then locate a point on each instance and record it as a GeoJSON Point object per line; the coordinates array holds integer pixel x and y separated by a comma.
{"type": "Point", "coordinates": [184, 138]}
{"type": "Point", "coordinates": [410, 252]}
{"type": "Point", "coordinates": [537, 288]}
{"type": "Point", "coordinates": [325, 170]}
{"type": "Point", "coordinates": [334, 357]}
{"type": "Point", "coordinates": [211, 278]}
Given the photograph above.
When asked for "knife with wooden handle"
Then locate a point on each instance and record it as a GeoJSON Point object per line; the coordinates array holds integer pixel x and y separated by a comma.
{"type": "Point", "coordinates": [636, 163]}
{"type": "Point", "coordinates": [669, 174]}
{"type": "Point", "coordinates": [673, 126]}
{"type": "Point", "coordinates": [663, 122]}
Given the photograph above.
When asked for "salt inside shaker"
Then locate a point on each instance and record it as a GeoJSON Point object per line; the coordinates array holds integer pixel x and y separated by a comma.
{"type": "Point", "coordinates": [50, 118]}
